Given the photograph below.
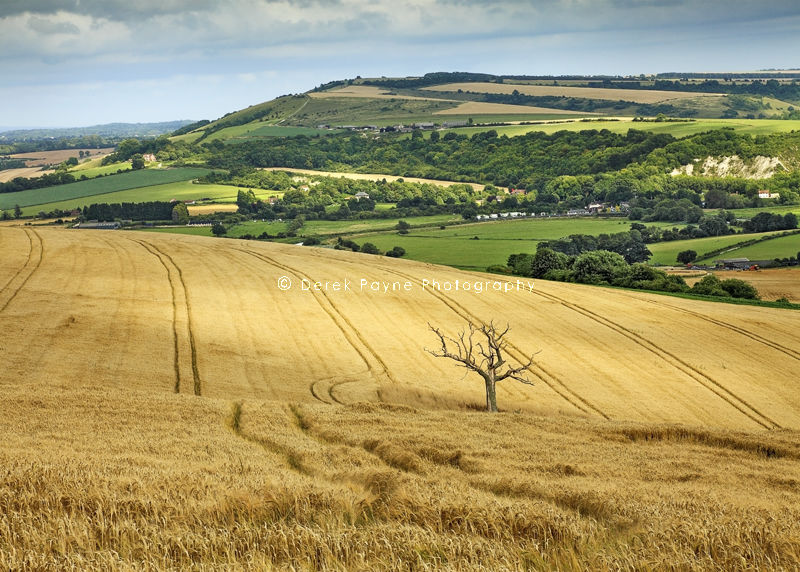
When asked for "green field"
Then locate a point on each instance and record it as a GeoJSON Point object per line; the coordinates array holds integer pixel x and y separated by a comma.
{"type": "Point", "coordinates": [91, 171]}
{"type": "Point", "coordinates": [260, 129]}
{"type": "Point", "coordinates": [98, 186]}
{"type": "Point", "coordinates": [666, 252]}
{"type": "Point", "coordinates": [457, 246]}
{"type": "Point", "coordinates": [452, 251]}
{"type": "Point", "coordinates": [676, 129]}
{"type": "Point", "coordinates": [532, 229]}
{"type": "Point", "coordinates": [181, 191]}
{"type": "Point", "coordinates": [783, 247]}
{"type": "Point", "coordinates": [751, 212]}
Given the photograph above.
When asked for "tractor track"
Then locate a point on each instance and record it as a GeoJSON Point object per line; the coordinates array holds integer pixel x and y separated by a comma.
{"type": "Point", "coordinates": [161, 257]}
{"type": "Point", "coordinates": [794, 354]}
{"type": "Point", "coordinates": [546, 377]}
{"type": "Point", "coordinates": [32, 263]}
{"type": "Point", "coordinates": [349, 331]}
{"type": "Point", "coordinates": [689, 370]}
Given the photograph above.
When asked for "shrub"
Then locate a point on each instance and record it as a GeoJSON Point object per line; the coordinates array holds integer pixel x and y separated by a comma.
{"type": "Point", "coordinates": [500, 269]}
{"type": "Point", "coordinates": [709, 285]}
{"type": "Point", "coordinates": [599, 266]}
{"type": "Point", "coordinates": [687, 256]}
{"type": "Point", "coordinates": [396, 252]}
{"type": "Point", "coordinates": [739, 289]}
{"type": "Point", "coordinates": [369, 248]}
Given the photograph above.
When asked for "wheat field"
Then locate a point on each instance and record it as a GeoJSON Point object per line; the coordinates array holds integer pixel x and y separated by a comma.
{"type": "Point", "coordinates": [613, 94]}
{"type": "Point", "coordinates": [166, 405]}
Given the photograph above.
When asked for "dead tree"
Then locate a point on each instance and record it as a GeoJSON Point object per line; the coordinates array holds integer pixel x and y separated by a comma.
{"type": "Point", "coordinates": [486, 357]}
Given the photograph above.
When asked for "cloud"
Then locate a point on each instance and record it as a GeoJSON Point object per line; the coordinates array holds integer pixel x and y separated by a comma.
{"type": "Point", "coordinates": [48, 26]}
{"type": "Point", "coordinates": [308, 42]}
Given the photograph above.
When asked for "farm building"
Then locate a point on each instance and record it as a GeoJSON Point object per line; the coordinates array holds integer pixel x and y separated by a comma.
{"type": "Point", "coordinates": [98, 225]}
{"type": "Point", "coordinates": [734, 263]}
{"type": "Point", "coordinates": [361, 195]}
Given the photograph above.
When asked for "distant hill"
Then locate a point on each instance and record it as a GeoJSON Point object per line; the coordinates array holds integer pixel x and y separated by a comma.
{"type": "Point", "coordinates": [105, 130]}
{"type": "Point", "coordinates": [448, 99]}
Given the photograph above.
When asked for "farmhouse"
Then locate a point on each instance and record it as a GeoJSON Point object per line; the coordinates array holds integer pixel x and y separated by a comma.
{"type": "Point", "coordinates": [361, 195]}
{"type": "Point", "coordinates": [149, 157]}
{"type": "Point", "coordinates": [596, 207]}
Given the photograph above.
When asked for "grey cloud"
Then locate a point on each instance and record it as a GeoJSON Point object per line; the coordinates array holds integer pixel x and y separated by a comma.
{"type": "Point", "coordinates": [47, 26]}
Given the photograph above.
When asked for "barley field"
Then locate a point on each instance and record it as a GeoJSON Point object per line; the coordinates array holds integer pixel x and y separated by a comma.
{"type": "Point", "coordinates": [167, 406]}
{"type": "Point", "coordinates": [635, 95]}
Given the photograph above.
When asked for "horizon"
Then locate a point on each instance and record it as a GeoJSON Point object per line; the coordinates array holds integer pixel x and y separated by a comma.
{"type": "Point", "coordinates": [79, 63]}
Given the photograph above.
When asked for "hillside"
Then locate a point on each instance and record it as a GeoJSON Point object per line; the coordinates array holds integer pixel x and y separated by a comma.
{"type": "Point", "coordinates": [168, 406]}
{"type": "Point", "coordinates": [614, 354]}
{"type": "Point", "coordinates": [452, 98]}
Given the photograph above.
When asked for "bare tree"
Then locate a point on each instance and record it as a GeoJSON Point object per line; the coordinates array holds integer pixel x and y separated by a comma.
{"type": "Point", "coordinates": [486, 357]}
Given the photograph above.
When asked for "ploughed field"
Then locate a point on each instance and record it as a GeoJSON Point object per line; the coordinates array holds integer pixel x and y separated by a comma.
{"type": "Point", "coordinates": [166, 405]}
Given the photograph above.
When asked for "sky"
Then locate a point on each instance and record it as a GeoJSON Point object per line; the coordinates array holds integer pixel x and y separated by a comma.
{"type": "Point", "coordinates": [69, 63]}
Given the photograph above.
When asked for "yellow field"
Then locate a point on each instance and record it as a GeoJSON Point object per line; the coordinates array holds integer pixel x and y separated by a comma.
{"type": "Point", "coordinates": [635, 95]}
{"type": "Point", "coordinates": [40, 158]}
{"type": "Point", "coordinates": [481, 108]}
{"type": "Point", "coordinates": [771, 283]}
{"type": "Point", "coordinates": [374, 177]}
{"type": "Point", "coordinates": [166, 405]}
{"type": "Point", "coordinates": [366, 91]}
{"type": "Point", "coordinates": [466, 108]}
{"type": "Point", "coordinates": [195, 210]}
{"type": "Point", "coordinates": [27, 172]}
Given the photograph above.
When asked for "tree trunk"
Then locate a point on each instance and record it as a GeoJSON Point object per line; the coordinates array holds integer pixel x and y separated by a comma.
{"type": "Point", "coordinates": [491, 394]}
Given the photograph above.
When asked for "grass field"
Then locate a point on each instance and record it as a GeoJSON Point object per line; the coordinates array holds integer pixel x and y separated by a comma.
{"type": "Point", "coordinates": [751, 212]}
{"type": "Point", "coordinates": [180, 190]}
{"type": "Point", "coordinates": [635, 95]}
{"type": "Point", "coordinates": [260, 129]}
{"type": "Point", "coordinates": [456, 246]}
{"type": "Point", "coordinates": [783, 247]}
{"type": "Point", "coordinates": [92, 169]}
{"type": "Point", "coordinates": [99, 186]}
{"type": "Point", "coordinates": [167, 406]}
{"type": "Point", "coordinates": [667, 252]}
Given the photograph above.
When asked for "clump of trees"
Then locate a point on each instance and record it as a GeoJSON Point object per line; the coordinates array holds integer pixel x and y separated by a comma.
{"type": "Point", "coordinates": [603, 267]}
{"type": "Point", "coordinates": [765, 222]}
{"type": "Point", "coordinates": [368, 248]}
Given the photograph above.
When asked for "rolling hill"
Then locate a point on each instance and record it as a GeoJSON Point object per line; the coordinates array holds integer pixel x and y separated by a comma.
{"type": "Point", "coordinates": [167, 405]}
{"type": "Point", "coordinates": [602, 353]}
